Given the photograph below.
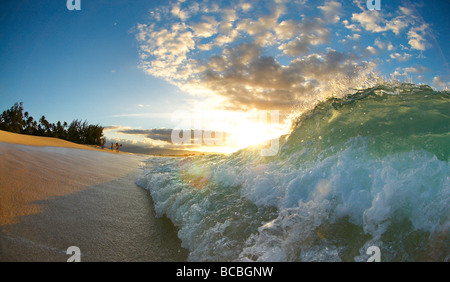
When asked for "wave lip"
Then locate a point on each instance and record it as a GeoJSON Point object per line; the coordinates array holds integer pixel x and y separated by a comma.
{"type": "Point", "coordinates": [369, 169]}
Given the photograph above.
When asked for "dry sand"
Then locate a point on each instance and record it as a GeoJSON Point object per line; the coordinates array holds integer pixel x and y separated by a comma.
{"type": "Point", "coordinates": [55, 194]}
{"type": "Point", "coordinates": [21, 139]}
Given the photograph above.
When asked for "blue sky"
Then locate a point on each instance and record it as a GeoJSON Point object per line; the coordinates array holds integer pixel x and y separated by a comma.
{"type": "Point", "coordinates": [77, 64]}
{"type": "Point", "coordinates": [130, 64]}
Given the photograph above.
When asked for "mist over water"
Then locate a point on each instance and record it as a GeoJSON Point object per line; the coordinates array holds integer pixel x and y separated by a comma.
{"type": "Point", "coordinates": [368, 169]}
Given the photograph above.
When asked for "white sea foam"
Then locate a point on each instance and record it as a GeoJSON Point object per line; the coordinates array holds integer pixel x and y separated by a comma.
{"type": "Point", "coordinates": [289, 203]}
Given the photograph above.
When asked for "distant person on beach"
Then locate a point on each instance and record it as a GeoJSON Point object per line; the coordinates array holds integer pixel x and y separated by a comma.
{"type": "Point", "coordinates": [112, 146]}
{"type": "Point", "coordinates": [118, 146]}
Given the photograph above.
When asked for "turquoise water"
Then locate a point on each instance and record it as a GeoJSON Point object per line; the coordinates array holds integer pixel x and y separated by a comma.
{"type": "Point", "coordinates": [369, 169]}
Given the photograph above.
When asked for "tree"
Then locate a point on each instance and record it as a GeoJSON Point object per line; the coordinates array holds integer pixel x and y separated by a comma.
{"type": "Point", "coordinates": [46, 127]}
{"type": "Point", "coordinates": [94, 134]}
{"type": "Point", "coordinates": [60, 130]}
{"type": "Point", "coordinates": [74, 130]}
{"type": "Point", "coordinates": [13, 119]}
{"type": "Point", "coordinates": [30, 126]}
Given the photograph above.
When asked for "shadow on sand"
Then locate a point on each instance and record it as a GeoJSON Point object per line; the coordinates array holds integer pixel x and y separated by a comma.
{"type": "Point", "coordinates": [112, 221]}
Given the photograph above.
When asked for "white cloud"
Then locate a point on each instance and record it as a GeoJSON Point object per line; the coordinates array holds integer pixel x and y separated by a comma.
{"type": "Point", "coordinates": [194, 7]}
{"type": "Point", "coordinates": [390, 47]}
{"type": "Point", "coordinates": [371, 50]}
{"type": "Point", "coordinates": [407, 72]}
{"type": "Point", "coordinates": [178, 12]}
{"type": "Point", "coordinates": [332, 11]}
{"type": "Point", "coordinates": [229, 15]}
{"type": "Point", "coordinates": [374, 21]}
{"type": "Point", "coordinates": [380, 44]}
{"type": "Point", "coordinates": [369, 20]}
{"type": "Point", "coordinates": [354, 36]}
{"type": "Point", "coordinates": [404, 19]}
{"type": "Point", "coordinates": [439, 83]}
{"type": "Point", "coordinates": [296, 46]}
{"type": "Point", "coordinates": [406, 11]}
{"type": "Point", "coordinates": [361, 4]}
{"type": "Point", "coordinates": [164, 52]}
{"type": "Point", "coordinates": [416, 36]}
{"type": "Point", "coordinates": [417, 69]}
{"type": "Point", "coordinates": [206, 28]}
{"type": "Point", "coordinates": [287, 29]}
{"type": "Point", "coordinates": [400, 57]}
{"type": "Point", "coordinates": [246, 6]}
{"type": "Point", "coordinates": [352, 27]}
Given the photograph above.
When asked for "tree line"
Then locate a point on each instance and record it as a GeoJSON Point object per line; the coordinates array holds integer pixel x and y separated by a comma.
{"type": "Point", "coordinates": [17, 121]}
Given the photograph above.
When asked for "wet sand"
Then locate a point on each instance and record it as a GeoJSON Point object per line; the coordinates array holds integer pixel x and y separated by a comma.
{"type": "Point", "coordinates": [56, 197]}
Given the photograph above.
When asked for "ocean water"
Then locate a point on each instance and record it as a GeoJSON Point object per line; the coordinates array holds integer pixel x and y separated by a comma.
{"type": "Point", "coordinates": [369, 169]}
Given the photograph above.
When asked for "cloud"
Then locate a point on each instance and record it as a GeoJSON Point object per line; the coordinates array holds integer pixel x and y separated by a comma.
{"type": "Point", "coordinates": [440, 83]}
{"type": "Point", "coordinates": [384, 45]}
{"type": "Point", "coordinates": [332, 11]}
{"type": "Point", "coordinates": [250, 80]}
{"type": "Point", "coordinates": [161, 134]}
{"type": "Point", "coordinates": [178, 12]}
{"type": "Point", "coordinates": [416, 70]}
{"type": "Point", "coordinates": [409, 72]}
{"type": "Point", "coordinates": [206, 28]}
{"type": "Point", "coordinates": [374, 21]}
{"type": "Point", "coordinates": [312, 32]}
{"type": "Point", "coordinates": [400, 57]}
{"type": "Point", "coordinates": [354, 36]}
{"type": "Point", "coordinates": [197, 138]}
{"type": "Point", "coordinates": [270, 54]}
{"type": "Point", "coordinates": [352, 27]}
{"type": "Point", "coordinates": [406, 11]}
{"type": "Point", "coordinates": [369, 21]}
{"type": "Point", "coordinates": [114, 128]}
{"type": "Point", "coordinates": [153, 148]}
{"type": "Point", "coordinates": [404, 19]}
{"type": "Point", "coordinates": [370, 50]}
{"type": "Point", "coordinates": [416, 36]}
{"type": "Point", "coordinates": [168, 61]}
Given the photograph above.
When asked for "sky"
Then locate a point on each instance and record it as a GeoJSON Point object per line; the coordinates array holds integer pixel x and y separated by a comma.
{"type": "Point", "coordinates": [142, 68]}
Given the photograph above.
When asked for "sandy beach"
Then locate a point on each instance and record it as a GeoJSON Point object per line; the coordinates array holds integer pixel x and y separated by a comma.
{"type": "Point", "coordinates": [55, 194]}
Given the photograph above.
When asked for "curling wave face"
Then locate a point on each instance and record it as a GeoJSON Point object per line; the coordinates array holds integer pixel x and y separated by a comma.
{"type": "Point", "coordinates": [369, 169]}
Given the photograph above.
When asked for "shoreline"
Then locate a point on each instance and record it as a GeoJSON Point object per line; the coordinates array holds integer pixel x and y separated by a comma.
{"type": "Point", "coordinates": [54, 196]}
{"type": "Point", "coordinates": [41, 141]}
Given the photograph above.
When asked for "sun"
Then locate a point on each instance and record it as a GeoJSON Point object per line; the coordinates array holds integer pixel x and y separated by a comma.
{"type": "Point", "coordinates": [244, 129]}
{"type": "Point", "coordinates": [252, 133]}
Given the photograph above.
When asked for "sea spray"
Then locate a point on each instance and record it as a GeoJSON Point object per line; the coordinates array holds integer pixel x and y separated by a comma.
{"type": "Point", "coordinates": [368, 169]}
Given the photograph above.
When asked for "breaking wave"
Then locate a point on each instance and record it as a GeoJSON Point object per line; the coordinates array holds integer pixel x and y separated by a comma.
{"type": "Point", "coordinates": [369, 169]}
